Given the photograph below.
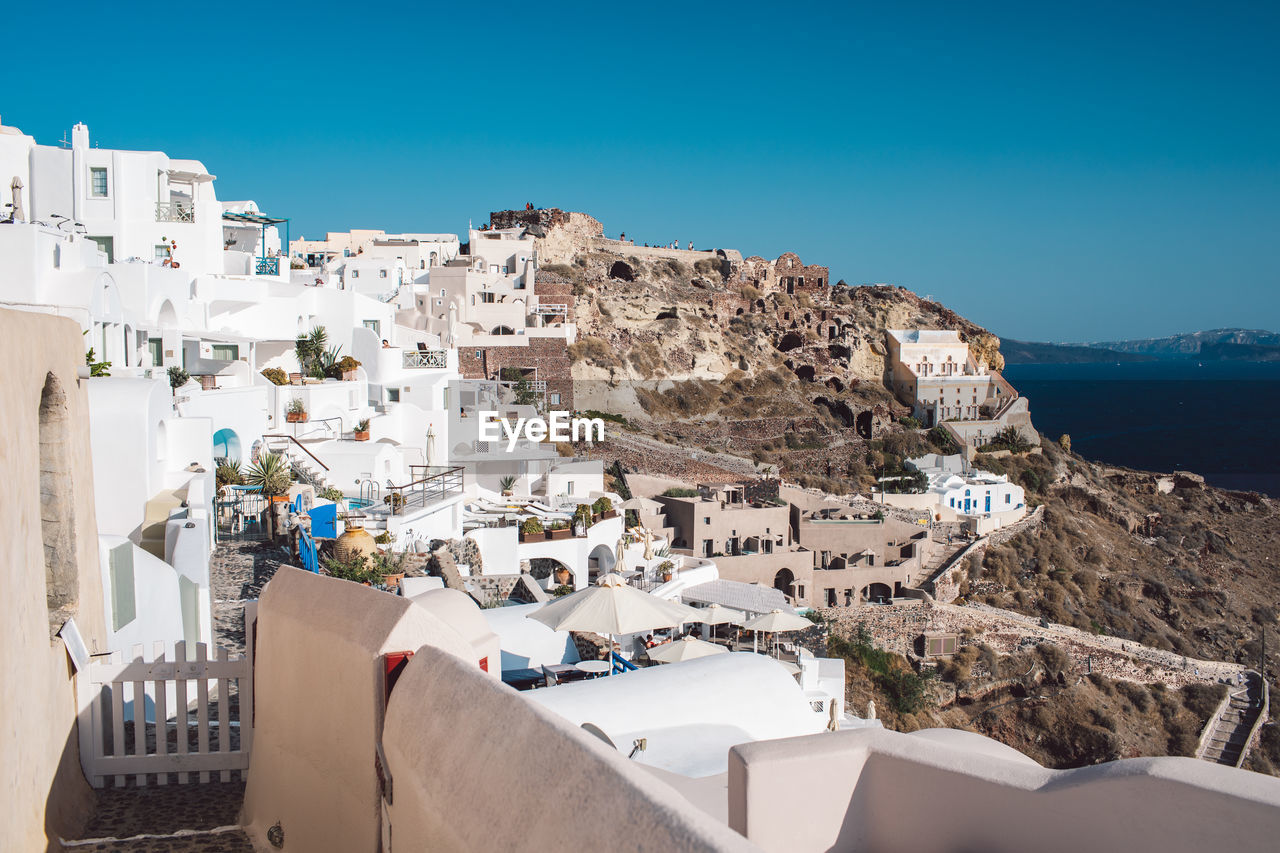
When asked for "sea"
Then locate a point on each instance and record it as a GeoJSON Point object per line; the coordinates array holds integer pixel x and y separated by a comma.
{"type": "Point", "coordinates": [1220, 419]}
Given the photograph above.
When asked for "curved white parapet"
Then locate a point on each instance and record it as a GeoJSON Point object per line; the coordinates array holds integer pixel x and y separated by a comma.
{"type": "Point", "coordinates": [690, 713]}
{"type": "Point", "coordinates": [938, 791]}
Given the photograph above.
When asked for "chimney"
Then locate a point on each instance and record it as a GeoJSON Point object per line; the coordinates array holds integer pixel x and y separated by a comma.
{"type": "Point", "coordinates": [80, 136]}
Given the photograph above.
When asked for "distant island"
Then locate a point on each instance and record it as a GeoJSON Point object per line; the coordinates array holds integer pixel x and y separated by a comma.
{"type": "Point", "coordinates": [1210, 345]}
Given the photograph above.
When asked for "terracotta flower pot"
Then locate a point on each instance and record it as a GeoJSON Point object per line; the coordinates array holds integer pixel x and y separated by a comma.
{"type": "Point", "coordinates": [560, 533]}
{"type": "Point", "coordinates": [611, 513]}
{"type": "Point", "coordinates": [348, 376]}
{"type": "Point", "coordinates": [562, 576]}
{"type": "Point", "coordinates": [393, 580]}
{"type": "Point", "coordinates": [361, 436]}
{"type": "Point", "coordinates": [295, 417]}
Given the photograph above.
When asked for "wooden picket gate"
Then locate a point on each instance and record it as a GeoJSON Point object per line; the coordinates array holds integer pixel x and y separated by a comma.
{"type": "Point", "coordinates": [177, 698]}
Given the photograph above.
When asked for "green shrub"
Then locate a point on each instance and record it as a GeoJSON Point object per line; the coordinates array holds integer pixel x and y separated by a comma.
{"type": "Point", "coordinates": [602, 505]}
{"type": "Point", "coordinates": [531, 525]}
{"type": "Point", "coordinates": [276, 375]}
{"type": "Point", "coordinates": [178, 377]}
{"type": "Point", "coordinates": [909, 422]}
{"type": "Point", "coordinates": [228, 474]}
{"type": "Point", "coordinates": [680, 492]}
{"type": "Point", "coordinates": [330, 494]}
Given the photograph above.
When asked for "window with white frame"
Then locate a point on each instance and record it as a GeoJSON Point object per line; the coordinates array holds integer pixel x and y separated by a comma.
{"type": "Point", "coordinates": [355, 273]}
{"type": "Point", "coordinates": [224, 352]}
{"type": "Point", "coordinates": [98, 181]}
{"type": "Point", "coordinates": [555, 398]}
{"type": "Point", "coordinates": [382, 273]}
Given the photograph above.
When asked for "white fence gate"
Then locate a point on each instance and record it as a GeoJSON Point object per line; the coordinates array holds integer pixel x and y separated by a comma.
{"type": "Point", "coordinates": [145, 719]}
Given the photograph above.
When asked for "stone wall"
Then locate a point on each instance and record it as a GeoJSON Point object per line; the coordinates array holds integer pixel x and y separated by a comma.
{"type": "Point", "coordinates": [549, 355]}
{"type": "Point", "coordinates": [946, 586]}
{"type": "Point", "coordinates": [899, 627]}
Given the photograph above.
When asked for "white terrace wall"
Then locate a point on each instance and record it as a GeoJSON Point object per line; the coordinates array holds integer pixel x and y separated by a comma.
{"type": "Point", "coordinates": [981, 795]}
{"type": "Point", "coordinates": [317, 724]}
{"type": "Point", "coordinates": [477, 766]}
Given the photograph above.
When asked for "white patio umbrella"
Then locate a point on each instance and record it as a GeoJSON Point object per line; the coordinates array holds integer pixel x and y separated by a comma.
{"type": "Point", "coordinates": [431, 445]}
{"type": "Point", "coordinates": [647, 505]}
{"type": "Point", "coordinates": [648, 544]}
{"type": "Point", "coordinates": [620, 564]}
{"type": "Point", "coordinates": [718, 614]}
{"type": "Point", "coordinates": [612, 607]}
{"type": "Point", "coordinates": [777, 621]}
{"type": "Point", "coordinates": [686, 648]}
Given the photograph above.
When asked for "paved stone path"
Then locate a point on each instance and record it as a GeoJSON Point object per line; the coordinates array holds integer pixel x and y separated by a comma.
{"type": "Point", "coordinates": [238, 572]}
{"type": "Point", "coordinates": [1231, 733]}
{"type": "Point", "coordinates": [169, 819]}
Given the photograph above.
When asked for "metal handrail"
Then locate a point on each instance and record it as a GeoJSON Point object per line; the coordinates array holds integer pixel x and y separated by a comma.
{"type": "Point", "coordinates": [267, 266]}
{"type": "Point", "coordinates": [301, 445]}
{"type": "Point", "coordinates": [448, 480]}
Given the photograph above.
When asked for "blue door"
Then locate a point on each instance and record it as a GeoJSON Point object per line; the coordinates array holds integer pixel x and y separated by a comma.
{"type": "Point", "coordinates": [966, 504]}
{"type": "Point", "coordinates": [988, 502]}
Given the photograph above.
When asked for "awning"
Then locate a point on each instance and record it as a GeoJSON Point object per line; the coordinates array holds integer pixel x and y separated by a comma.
{"type": "Point", "coordinates": [251, 218]}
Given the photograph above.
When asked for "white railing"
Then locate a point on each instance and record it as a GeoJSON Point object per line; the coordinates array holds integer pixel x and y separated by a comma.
{"type": "Point", "coordinates": [433, 358]}
{"type": "Point", "coordinates": [552, 308]}
{"type": "Point", "coordinates": [170, 729]}
{"type": "Point", "coordinates": [175, 211]}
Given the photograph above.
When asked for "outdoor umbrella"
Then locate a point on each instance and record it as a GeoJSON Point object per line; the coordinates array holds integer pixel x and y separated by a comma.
{"type": "Point", "coordinates": [620, 564]}
{"type": "Point", "coordinates": [431, 446]}
{"type": "Point", "coordinates": [646, 505]}
{"type": "Point", "coordinates": [777, 621]}
{"type": "Point", "coordinates": [718, 614]}
{"type": "Point", "coordinates": [648, 544]}
{"type": "Point", "coordinates": [686, 648]}
{"type": "Point", "coordinates": [612, 607]}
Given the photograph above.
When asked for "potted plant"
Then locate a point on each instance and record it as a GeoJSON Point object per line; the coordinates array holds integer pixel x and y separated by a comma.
{"type": "Point", "coordinates": [395, 500]}
{"type": "Point", "coordinates": [346, 366]}
{"type": "Point", "coordinates": [508, 484]}
{"type": "Point", "coordinates": [582, 518]}
{"type": "Point", "coordinates": [296, 411]}
{"type": "Point", "coordinates": [531, 530]}
{"type": "Point", "coordinates": [667, 569]}
{"type": "Point", "coordinates": [559, 530]}
{"type": "Point", "coordinates": [362, 430]}
{"type": "Point", "coordinates": [276, 376]}
{"type": "Point", "coordinates": [603, 507]}
{"type": "Point", "coordinates": [562, 576]}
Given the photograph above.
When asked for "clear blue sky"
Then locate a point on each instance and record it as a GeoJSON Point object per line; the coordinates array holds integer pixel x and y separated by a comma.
{"type": "Point", "coordinates": [1067, 171]}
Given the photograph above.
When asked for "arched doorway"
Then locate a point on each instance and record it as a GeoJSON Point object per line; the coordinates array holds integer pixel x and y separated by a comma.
{"type": "Point", "coordinates": [226, 445]}
{"type": "Point", "coordinates": [600, 561]}
{"type": "Point", "coordinates": [877, 592]}
{"type": "Point", "coordinates": [784, 581]}
{"type": "Point", "coordinates": [57, 507]}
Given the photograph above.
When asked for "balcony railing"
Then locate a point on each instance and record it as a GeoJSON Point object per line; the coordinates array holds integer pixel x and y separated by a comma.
{"type": "Point", "coordinates": [552, 308]}
{"type": "Point", "coordinates": [433, 484]}
{"type": "Point", "coordinates": [175, 211]}
{"type": "Point", "coordinates": [415, 359]}
{"type": "Point", "coordinates": [266, 266]}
